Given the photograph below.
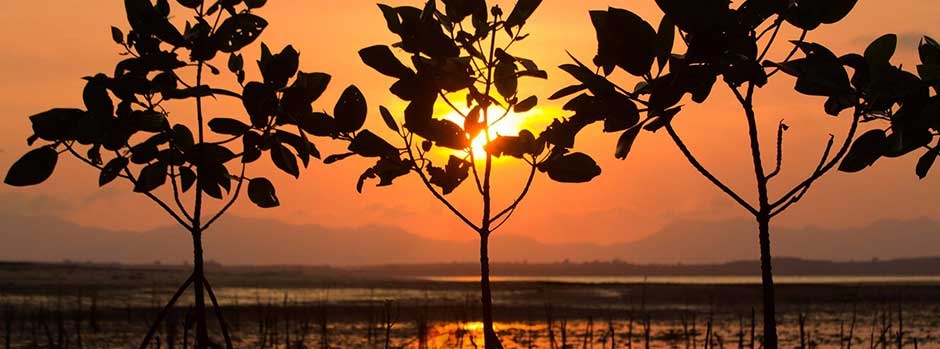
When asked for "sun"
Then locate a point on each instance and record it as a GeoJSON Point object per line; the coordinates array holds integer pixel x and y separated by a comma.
{"type": "Point", "coordinates": [510, 125]}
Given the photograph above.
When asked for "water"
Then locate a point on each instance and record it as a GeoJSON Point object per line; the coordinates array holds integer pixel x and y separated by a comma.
{"type": "Point", "coordinates": [594, 310]}
{"type": "Point", "coordinates": [700, 280]}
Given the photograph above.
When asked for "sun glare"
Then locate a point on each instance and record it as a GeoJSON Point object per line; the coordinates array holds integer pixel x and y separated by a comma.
{"type": "Point", "coordinates": [507, 126]}
{"type": "Point", "coordinates": [473, 326]}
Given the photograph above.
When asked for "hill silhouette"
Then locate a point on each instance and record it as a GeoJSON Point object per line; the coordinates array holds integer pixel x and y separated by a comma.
{"type": "Point", "coordinates": [245, 241]}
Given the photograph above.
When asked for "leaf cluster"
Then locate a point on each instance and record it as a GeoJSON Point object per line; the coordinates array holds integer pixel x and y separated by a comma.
{"type": "Point", "coordinates": [451, 51]}
{"type": "Point", "coordinates": [720, 41]}
{"type": "Point", "coordinates": [125, 132]}
{"type": "Point", "coordinates": [909, 103]}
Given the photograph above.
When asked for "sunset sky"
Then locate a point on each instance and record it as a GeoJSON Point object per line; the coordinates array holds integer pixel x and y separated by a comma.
{"type": "Point", "coordinates": [46, 46]}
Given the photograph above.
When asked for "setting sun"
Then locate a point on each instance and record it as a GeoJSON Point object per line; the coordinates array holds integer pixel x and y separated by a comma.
{"type": "Point", "coordinates": [510, 125]}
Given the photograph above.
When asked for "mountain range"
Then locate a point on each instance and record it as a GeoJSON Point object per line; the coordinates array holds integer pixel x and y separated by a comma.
{"type": "Point", "coordinates": [245, 241]}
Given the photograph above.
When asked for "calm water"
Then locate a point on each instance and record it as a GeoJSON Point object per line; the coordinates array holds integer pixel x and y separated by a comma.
{"type": "Point", "coordinates": [593, 312]}
{"type": "Point", "coordinates": [700, 280]}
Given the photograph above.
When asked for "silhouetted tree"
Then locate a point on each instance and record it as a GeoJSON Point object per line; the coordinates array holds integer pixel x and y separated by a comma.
{"type": "Point", "coordinates": [461, 51]}
{"type": "Point", "coordinates": [171, 163]}
{"type": "Point", "coordinates": [901, 99]}
{"type": "Point", "coordinates": [731, 43]}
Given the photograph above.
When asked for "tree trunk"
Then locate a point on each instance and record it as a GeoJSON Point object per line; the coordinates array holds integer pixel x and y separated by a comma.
{"type": "Point", "coordinates": [202, 332]}
{"type": "Point", "coordinates": [767, 283]}
{"type": "Point", "coordinates": [491, 341]}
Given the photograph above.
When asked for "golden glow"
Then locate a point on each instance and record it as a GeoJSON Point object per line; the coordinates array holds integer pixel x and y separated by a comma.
{"type": "Point", "coordinates": [507, 126]}
{"type": "Point", "coordinates": [473, 326]}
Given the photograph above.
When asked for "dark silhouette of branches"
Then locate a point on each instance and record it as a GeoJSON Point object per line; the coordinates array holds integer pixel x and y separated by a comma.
{"type": "Point", "coordinates": [124, 115]}
{"type": "Point", "coordinates": [733, 44]}
{"type": "Point", "coordinates": [463, 47]}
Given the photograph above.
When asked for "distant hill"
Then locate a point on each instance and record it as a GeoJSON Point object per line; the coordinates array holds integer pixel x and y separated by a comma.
{"type": "Point", "coordinates": [782, 267]}
{"type": "Point", "coordinates": [243, 241]}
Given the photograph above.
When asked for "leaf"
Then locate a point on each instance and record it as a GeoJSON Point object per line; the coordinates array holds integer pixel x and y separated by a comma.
{"type": "Point", "coordinates": [381, 58]}
{"type": "Point", "coordinates": [236, 63]}
{"type": "Point", "coordinates": [625, 143]}
{"type": "Point", "coordinates": [238, 31]}
{"type": "Point", "coordinates": [929, 51]}
{"type": "Point", "coordinates": [388, 169]}
{"type": "Point", "coordinates": [450, 177]}
{"type": "Point", "coordinates": [562, 133]}
{"type": "Point", "coordinates": [147, 20]}
{"type": "Point", "coordinates": [507, 83]}
{"type": "Point", "coordinates": [163, 7]}
{"type": "Point", "coordinates": [521, 12]}
{"type": "Point", "coordinates": [317, 124]}
{"type": "Point", "coordinates": [389, 120]}
{"type": "Point", "coordinates": [572, 168]}
{"type": "Point", "coordinates": [864, 151]}
{"type": "Point", "coordinates": [312, 85]}
{"type": "Point", "coordinates": [880, 51]}
{"type": "Point", "coordinates": [926, 162]}
{"type": "Point", "coordinates": [213, 178]}
{"type": "Point", "coordinates": [182, 138]}
{"type": "Point", "coordinates": [285, 160]}
{"type": "Point", "coordinates": [444, 133]}
{"type": "Point", "coordinates": [279, 68]}
{"type": "Point", "coordinates": [620, 113]}
{"type": "Point", "coordinates": [809, 14]}
{"type": "Point", "coordinates": [515, 146]}
{"type": "Point", "coordinates": [567, 91]}
{"type": "Point", "coordinates": [260, 101]}
{"type": "Point", "coordinates": [598, 85]}
{"type": "Point", "coordinates": [117, 35]}
{"type": "Point", "coordinates": [930, 73]}
{"type": "Point", "coordinates": [208, 153]}
{"type": "Point", "coordinates": [662, 120]}
{"type": "Point", "coordinates": [55, 124]}
{"type": "Point", "coordinates": [253, 4]}
{"type": "Point", "coordinates": [819, 74]}
{"type": "Point", "coordinates": [350, 111]}
{"type": "Point", "coordinates": [337, 157]}
{"type": "Point", "coordinates": [625, 40]}
{"type": "Point", "coordinates": [111, 170]}
{"type": "Point", "coordinates": [227, 126]}
{"type": "Point", "coordinates": [367, 144]}
{"type": "Point", "coordinates": [665, 39]}
{"type": "Point", "coordinates": [458, 10]}
{"type": "Point", "coordinates": [752, 13]}
{"type": "Point", "coordinates": [391, 19]}
{"type": "Point", "coordinates": [193, 4]}
{"type": "Point", "coordinates": [526, 105]}
{"type": "Point", "coordinates": [301, 144]}
{"type": "Point", "coordinates": [33, 168]}
{"type": "Point", "coordinates": [261, 192]}
{"type": "Point", "coordinates": [540, 74]}
{"type": "Point", "coordinates": [306, 89]}
{"type": "Point", "coordinates": [369, 173]}
{"type": "Point", "coordinates": [151, 177]}
{"type": "Point", "coordinates": [187, 178]}
{"type": "Point", "coordinates": [144, 153]}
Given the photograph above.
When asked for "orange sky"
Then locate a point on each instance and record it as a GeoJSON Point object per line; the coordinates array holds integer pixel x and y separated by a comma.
{"type": "Point", "coordinates": [46, 46]}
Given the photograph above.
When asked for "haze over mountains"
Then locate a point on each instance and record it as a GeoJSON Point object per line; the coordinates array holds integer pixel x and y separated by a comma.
{"type": "Point", "coordinates": [244, 241]}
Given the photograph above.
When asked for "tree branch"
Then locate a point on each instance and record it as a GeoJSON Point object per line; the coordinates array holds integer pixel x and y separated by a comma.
{"type": "Point", "coordinates": [438, 196]}
{"type": "Point", "coordinates": [218, 314]}
{"type": "Point", "coordinates": [130, 177]}
{"type": "Point", "coordinates": [790, 55]}
{"type": "Point", "coordinates": [824, 166]}
{"type": "Point", "coordinates": [176, 194]}
{"type": "Point", "coordinates": [701, 169]}
{"type": "Point", "coordinates": [782, 127]}
{"type": "Point", "coordinates": [525, 190]}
